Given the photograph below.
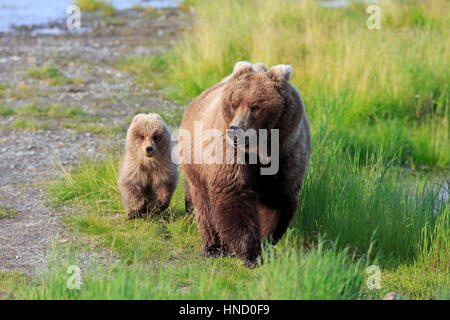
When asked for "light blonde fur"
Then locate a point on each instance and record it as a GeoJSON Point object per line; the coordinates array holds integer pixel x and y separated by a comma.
{"type": "Point", "coordinates": [147, 182]}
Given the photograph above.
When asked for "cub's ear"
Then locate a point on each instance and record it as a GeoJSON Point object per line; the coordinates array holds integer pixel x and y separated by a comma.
{"type": "Point", "coordinates": [138, 116]}
{"type": "Point", "coordinates": [281, 71]}
{"type": "Point", "coordinates": [259, 67]}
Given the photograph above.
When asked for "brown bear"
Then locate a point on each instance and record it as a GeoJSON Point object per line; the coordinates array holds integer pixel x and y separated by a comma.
{"type": "Point", "coordinates": [236, 206]}
{"type": "Point", "coordinates": [147, 176]}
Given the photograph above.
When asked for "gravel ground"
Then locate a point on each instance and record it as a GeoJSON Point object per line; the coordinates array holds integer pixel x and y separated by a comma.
{"type": "Point", "coordinates": [30, 158]}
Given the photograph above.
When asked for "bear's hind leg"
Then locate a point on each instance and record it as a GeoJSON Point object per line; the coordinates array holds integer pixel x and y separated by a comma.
{"type": "Point", "coordinates": [287, 212]}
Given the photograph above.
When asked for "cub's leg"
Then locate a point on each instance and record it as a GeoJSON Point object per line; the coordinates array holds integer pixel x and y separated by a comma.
{"type": "Point", "coordinates": [133, 200]}
{"type": "Point", "coordinates": [159, 200]}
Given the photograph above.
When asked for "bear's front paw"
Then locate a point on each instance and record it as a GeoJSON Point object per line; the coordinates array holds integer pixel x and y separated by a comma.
{"type": "Point", "coordinates": [137, 209]}
{"type": "Point", "coordinates": [217, 250]}
{"type": "Point", "coordinates": [253, 262]}
{"type": "Point", "coordinates": [155, 209]}
{"type": "Point", "coordinates": [213, 251]}
{"type": "Point", "coordinates": [133, 214]}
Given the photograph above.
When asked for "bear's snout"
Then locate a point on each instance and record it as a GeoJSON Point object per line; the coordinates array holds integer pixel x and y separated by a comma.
{"type": "Point", "coordinates": [149, 151]}
{"type": "Point", "coordinates": [237, 136]}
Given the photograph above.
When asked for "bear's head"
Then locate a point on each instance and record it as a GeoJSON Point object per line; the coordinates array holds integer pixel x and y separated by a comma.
{"type": "Point", "coordinates": [148, 136]}
{"type": "Point", "coordinates": [255, 98]}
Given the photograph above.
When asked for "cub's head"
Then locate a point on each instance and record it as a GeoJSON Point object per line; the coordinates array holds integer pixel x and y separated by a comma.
{"type": "Point", "coordinates": [255, 98]}
{"type": "Point", "coordinates": [148, 136]}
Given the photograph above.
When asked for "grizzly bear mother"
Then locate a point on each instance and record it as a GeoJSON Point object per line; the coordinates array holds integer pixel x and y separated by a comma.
{"type": "Point", "coordinates": [236, 207]}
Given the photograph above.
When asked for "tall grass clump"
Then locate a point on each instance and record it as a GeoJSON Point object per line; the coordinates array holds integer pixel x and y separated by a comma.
{"type": "Point", "coordinates": [321, 272]}
{"type": "Point", "coordinates": [94, 184]}
{"type": "Point", "coordinates": [371, 206]}
{"type": "Point", "coordinates": [383, 88]}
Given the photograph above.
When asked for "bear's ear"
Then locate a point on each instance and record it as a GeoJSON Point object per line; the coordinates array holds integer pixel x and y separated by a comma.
{"type": "Point", "coordinates": [240, 68]}
{"type": "Point", "coordinates": [259, 67]}
{"type": "Point", "coordinates": [241, 65]}
{"type": "Point", "coordinates": [281, 71]}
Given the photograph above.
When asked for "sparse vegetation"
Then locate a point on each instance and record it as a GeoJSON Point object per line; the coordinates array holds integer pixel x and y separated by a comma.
{"type": "Point", "coordinates": [104, 7]}
{"type": "Point", "coordinates": [5, 111]}
{"type": "Point", "coordinates": [51, 74]}
{"type": "Point", "coordinates": [9, 282]}
{"type": "Point", "coordinates": [28, 124]}
{"type": "Point", "coordinates": [6, 212]}
{"type": "Point", "coordinates": [52, 112]}
{"type": "Point", "coordinates": [94, 128]}
{"type": "Point", "coordinates": [37, 117]}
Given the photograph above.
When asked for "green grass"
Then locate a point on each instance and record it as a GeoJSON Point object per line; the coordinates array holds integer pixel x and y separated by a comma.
{"type": "Point", "coordinates": [5, 111]}
{"type": "Point", "coordinates": [147, 68]}
{"type": "Point", "coordinates": [36, 117]}
{"type": "Point", "coordinates": [21, 92]}
{"type": "Point", "coordinates": [49, 111]}
{"type": "Point", "coordinates": [52, 112]}
{"type": "Point", "coordinates": [363, 204]}
{"type": "Point", "coordinates": [321, 273]}
{"type": "Point", "coordinates": [374, 88]}
{"type": "Point", "coordinates": [104, 7]}
{"type": "Point", "coordinates": [94, 128]}
{"type": "Point", "coordinates": [6, 212]}
{"type": "Point", "coordinates": [51, 74]}
{"type": "Point", "coordinates": [368, 212]}
{"type": "Point", "coordinates": [28, 124]}
{"type": "Point", "coordinates": [9, 282]}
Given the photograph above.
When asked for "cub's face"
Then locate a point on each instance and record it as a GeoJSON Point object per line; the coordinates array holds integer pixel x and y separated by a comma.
{"type": "Point", "coordinates": [148, 136]}
{"type": "Point", "coordinates": [253, 101]}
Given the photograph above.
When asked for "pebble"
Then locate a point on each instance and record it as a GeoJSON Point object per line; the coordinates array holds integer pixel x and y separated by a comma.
{"type": "Point", "coordinates": [394, 296]}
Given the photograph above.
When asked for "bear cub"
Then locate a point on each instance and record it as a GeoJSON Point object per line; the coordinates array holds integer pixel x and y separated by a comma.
{"type": "Point", "coordinates": [147, 176]}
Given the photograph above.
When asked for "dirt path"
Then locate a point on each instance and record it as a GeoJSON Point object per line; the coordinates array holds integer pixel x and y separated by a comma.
{"type": "Point", "coordinates": [34, 146]}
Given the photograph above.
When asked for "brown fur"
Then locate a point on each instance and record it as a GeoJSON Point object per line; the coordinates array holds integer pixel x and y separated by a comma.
{"type": "Point", "coordinates": [147, 182]}
{"type": "Point", "coordinates": [236, 207]}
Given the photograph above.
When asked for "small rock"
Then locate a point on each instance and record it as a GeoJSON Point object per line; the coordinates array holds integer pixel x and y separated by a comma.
{"type": "Point", "coordinates": [394, 296]}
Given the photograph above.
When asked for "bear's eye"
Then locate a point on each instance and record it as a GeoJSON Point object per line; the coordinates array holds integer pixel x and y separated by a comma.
{"type": "Point", "coordinates": [142, 137]}
{"type": "Point", "coordinates": [254, 108]}
{"type": "Point", "coordinates": [234, 106]}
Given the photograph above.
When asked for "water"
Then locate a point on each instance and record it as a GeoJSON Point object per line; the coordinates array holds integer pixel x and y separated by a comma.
{"type": "Point", "coordinates": [37, 12]}
{"type": "Point", "coordinates": [333, 4]}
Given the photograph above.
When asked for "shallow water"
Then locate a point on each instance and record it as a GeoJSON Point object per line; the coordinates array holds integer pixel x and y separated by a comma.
{"type": "Point", "coordinates": [37, 12]}
{"type": "Point", "coordinates": [333, 3]}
